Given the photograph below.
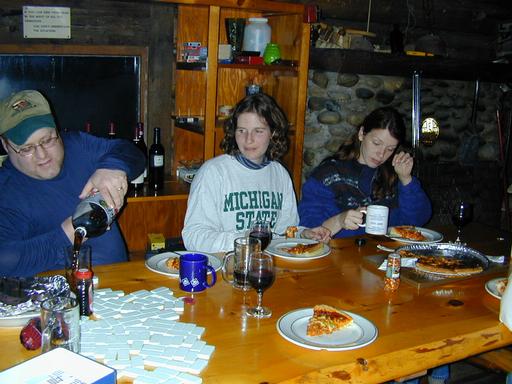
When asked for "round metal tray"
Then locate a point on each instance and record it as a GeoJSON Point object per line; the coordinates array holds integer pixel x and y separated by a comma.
{"type": "Point", "coordinates": [458, 251]}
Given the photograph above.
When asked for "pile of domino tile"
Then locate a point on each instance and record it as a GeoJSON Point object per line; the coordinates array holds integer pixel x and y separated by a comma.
{"type": "Point", "coordinates": [133, 332]}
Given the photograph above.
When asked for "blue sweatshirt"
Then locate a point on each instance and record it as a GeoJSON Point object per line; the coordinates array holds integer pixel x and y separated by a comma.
{"type": "Point", "coordinates": [32, 210]}
{"type": "Point", "coordinates": [336, 186]}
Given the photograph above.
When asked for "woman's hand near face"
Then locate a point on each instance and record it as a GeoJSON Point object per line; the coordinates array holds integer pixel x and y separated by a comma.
{"type": "Point", "coordinates": [403, 163]}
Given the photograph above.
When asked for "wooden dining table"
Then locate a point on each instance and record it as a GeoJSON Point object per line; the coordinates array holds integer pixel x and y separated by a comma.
{"type": "Point", "coordinates": [418, 327]}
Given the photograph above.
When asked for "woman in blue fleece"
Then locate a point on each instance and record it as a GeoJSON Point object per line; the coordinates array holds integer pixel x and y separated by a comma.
{"type": "Point", "coordinates": [369, 168]}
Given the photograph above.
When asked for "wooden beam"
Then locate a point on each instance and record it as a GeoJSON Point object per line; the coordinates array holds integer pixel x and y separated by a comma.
{"type": "Point", "coordinates": [364, 62]}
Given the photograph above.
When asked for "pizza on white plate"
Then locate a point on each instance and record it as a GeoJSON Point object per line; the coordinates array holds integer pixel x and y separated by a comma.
{"type": "Point", "coordinates": [409, 232]}
{"type": "Point", "coordinates": [301, 249]}
{"type": "Point", "coordinates": [326, 320]}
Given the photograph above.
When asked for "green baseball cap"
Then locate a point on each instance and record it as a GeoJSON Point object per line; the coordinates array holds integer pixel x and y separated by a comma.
{"type": "Point", "coordinates": [23, 113]}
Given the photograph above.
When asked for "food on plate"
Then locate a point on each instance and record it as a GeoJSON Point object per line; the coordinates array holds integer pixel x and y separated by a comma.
{"type": "Point", "coordinates": [173, 263]}
{"type": "Point", "coordinates": [305, 249]}
{"type": "Point", "coordinates": [501, 285]}
{"type": "Point", "coordinates": [407, 232]}
{"type": "Point", "coordinates": [291, 231]}
{"type": "Point", "coordinates": [326, 320]}
{"type": "Point", "coordinates": [447, 265]}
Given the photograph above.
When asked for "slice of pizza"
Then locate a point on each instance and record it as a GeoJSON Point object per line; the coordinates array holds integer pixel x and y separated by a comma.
{"type": "Point", "coordinates": [407, 232]}
{"type": "Point", "coordinates": [326, 320]}
{"type": "Point", "coordinates": [305, 249]}
{"type": "Point", "coordinates": [291, 231]}
{"type": "Point", "coordinates": [501, 285]}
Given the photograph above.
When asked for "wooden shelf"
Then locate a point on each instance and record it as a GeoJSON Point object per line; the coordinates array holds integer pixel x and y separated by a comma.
{"type": "Point", "coordinates": [172, 190]}
{"type": "Point", "coordinates": [199, 66]}
{"type": "Point", "coordinates": [375, 63]}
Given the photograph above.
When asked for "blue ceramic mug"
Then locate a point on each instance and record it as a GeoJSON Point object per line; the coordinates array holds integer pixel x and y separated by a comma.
{"type": "Point", "coordinates": [193, 272]}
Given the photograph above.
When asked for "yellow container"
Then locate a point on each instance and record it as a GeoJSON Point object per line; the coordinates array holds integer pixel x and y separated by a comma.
{"type": "Point", "coordinates": [156, 241]}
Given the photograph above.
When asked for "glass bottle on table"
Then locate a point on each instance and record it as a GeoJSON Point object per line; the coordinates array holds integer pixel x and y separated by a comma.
{"type": "Point", "coordinates": [156, 162]}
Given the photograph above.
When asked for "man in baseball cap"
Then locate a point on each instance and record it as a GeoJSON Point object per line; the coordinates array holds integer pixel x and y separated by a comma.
{"type": "Point", "coordinates": [44, 178]}
{"type": "Point", "coordinates": [22, 114]}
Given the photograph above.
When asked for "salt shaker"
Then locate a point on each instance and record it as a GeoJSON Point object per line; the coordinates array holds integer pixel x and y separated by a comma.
{"type": "Point", "coordinates": [392, 280]}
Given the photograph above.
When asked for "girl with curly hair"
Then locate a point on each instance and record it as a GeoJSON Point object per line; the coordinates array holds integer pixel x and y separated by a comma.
{"type": "Point", "coordinates": [245, 184]}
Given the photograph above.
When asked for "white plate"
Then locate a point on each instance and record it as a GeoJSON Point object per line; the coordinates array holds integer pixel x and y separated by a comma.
{"type": "Point", "coordinates": [492, 289]}
{"type": "Point", "coordinates": [158, 264]}
{"type": "Point", "coordinates": [431, 237]}
{"type": "Point", "coordinates": [18, 320]}
{"type": "Point", "coordinates": [292, 326]}
{"type": "Point", "coordinates": [277, 248]}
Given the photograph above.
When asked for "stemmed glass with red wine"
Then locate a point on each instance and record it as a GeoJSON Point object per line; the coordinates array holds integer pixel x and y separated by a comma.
{"type": "Point", "coordinates": [462, 214]}
{"type": "Point", "coordinates": [261, 277]}
{"type": "Point", "coordinates": [262, 231]}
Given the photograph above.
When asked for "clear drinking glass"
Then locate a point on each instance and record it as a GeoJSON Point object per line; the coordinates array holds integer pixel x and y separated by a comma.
{"type": "Point", "coordinates": [261, 277]}
{"type": "Point", "coordinates": [60, 324]}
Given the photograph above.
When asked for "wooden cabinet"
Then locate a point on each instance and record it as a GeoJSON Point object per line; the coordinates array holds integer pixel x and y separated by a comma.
{"type": "Point", "coordinates": [201, 88]}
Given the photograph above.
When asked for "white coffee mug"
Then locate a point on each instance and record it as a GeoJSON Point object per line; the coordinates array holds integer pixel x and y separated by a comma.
{"type": "Point", "coordinates": [376, 219]}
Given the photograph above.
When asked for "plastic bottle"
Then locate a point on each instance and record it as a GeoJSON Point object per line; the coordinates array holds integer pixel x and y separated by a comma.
{"type": "Point", "coordinates": [256, 35]}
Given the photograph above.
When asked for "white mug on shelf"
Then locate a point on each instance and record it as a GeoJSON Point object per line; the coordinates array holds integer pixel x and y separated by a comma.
{"type": "Point", "coordinates": [376, 219]}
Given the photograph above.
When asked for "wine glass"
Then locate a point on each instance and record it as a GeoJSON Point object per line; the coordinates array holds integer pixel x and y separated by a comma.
{"type": "Point", "coordinates": [462, 214]}
{"type": "Point", "coordinates": [261, 277]}
{"type": "Point", "coordinates": [261, 230]}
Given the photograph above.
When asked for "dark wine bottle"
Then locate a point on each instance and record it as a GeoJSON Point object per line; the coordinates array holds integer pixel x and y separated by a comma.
{"type": "Point", "coordinates": [92, 217]}
{"type": "Point", "coordinates": [143, 147]}
{"type": "Point", "coordinates": [156, 162]}
{"type": "Point", "coordinates": [111, 130]}
{"type": "Point", "coordinates": [138, 182]}
{"type": "Point", "coordinates": [88, 127]}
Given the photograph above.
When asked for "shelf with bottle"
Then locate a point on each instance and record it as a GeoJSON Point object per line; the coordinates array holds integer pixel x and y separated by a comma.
{"type": "Point", "coordinates": [190, 123]}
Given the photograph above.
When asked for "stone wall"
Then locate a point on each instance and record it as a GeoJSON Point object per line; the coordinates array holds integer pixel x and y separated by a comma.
{"type": "Point", "coordinates": [465, 155]}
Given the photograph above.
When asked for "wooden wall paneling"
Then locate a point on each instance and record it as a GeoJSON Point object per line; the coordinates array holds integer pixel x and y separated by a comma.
{"type": "Point", "coordinates": [140, 218]}
{"type": "Point", "coordinates": [211, 82]}
{"type": "Point", "coordinates": [285, 30]}
{"type": "Point", "coordinates": [192, 26]}
{"type": "Point", "coordinates": [190, 103]}
{"type": "Point", "coordinates": [188, 145]}
{"type": "Point", "coordinates": [231, 84]}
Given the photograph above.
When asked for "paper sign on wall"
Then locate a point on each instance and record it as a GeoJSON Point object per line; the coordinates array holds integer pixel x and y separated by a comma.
{"type": "Point", "coordinates": [46, 22]}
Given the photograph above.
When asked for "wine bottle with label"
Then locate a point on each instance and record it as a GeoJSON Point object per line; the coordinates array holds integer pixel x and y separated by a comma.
{"type": "Point", "coordinates": [156, 162]}
{"type": "Point", "coordinates": [92, 216]}
{"type": "Point", "coordinates": [138, 183]}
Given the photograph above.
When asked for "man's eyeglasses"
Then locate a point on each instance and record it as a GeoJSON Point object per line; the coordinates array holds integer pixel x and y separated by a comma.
{"type": "Point", "coordinates": [29, 150]}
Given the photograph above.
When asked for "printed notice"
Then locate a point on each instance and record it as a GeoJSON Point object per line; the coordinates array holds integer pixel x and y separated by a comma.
{"type": "Point", "coordinates": [46, 22]}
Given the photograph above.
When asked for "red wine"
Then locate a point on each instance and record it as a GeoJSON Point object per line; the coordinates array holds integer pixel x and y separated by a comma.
{"type": "Point", "coordinates": [264, 237]}
{"type": "Point", "coordinates": [261, 280]}
{"type": "Point", "coordinates": [156, 162]}
{"type": "Point", "coordinates": [241, 279]}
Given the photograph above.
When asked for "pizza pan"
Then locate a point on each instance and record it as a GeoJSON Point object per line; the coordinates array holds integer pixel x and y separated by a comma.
{"type": "Point", "coordinates": [458, 251]}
